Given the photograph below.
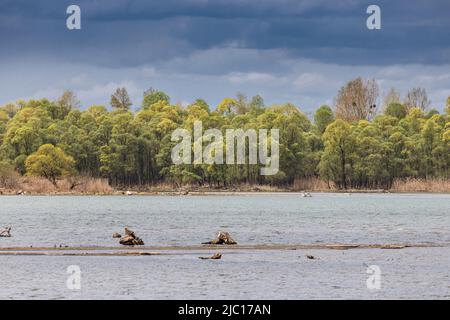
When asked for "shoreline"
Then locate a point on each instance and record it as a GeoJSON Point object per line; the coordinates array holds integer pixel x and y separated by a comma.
{"type": "Point", "coordinates": [100, 186]}
{"type": "Point", "coordinates": [215, 193]}
{"type": "Point", "coordinates": [194, 248]}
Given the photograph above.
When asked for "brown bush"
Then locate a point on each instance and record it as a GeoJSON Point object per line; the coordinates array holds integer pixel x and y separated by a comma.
{"type": "Point", "coordinates": [312, 184]}
{"type": "Point", "coordinates": [437, 185]}
{"type": "Point", "coordinates": [36, 185]}
{"type": "Point", "coordinates": [9, 178]}
{"type": "Point", "coordinates": [87, 185]}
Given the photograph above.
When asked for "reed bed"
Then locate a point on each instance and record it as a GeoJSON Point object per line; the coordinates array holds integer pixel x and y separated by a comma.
{"type": "Point", "coordinates": [98, 186]}
{"type": "Point", "coordinates": [313, 184]}
{"type": "Point", "coordinates": [79, 185]}
{"type": "Point", "coordinates": [435, 185]}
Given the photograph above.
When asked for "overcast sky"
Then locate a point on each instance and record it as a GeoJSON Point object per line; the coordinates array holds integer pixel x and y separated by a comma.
{"type": "Point", "coordinates": [299, 51]}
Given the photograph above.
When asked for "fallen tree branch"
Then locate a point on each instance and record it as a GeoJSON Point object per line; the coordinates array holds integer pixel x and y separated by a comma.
{"type": "Point", "coordinates": [129, 239]}
{"type": "Point", "coordinates": [222, 238]}
{"type": "Point", "coordinates": [216, 256]}
{"type": "Point", "coordinates": [6, 233]}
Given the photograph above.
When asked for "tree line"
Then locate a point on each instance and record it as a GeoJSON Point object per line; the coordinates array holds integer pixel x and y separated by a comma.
{"type": "Point", "coordinates": [355, 144]}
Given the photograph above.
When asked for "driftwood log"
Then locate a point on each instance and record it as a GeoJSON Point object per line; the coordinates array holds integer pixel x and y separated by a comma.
{"type": "Point", "coordinates": [130, 239]}
{"type": "Point", "coordinates": [216, 256]}
{"type": "Point", "coordinates": [222, 238]}
{"type": "Point", "coordinates": [6, 233]}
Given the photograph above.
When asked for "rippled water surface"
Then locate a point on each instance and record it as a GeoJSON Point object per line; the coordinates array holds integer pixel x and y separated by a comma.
{"type": "Point", "coordinates": [255, 219]}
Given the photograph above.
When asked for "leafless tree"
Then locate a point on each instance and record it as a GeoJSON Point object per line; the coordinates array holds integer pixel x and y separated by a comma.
{"type": "Point", "coordinates": [68, 101]}
{"type": "Point", "coordinates": [417, 98]}
{"type": "Point", "coordinates": [120, 99]}
{"type": "Point", "coordinates": [357, 100]}
{"type": "Point", "coordinates": [241, 103]}
{"type": "Point", "coordinates": [11, 109]}
{"type": "Point", "coordinates": [447, 108]}
{"type": "Point", "coordinates": [391, 97]}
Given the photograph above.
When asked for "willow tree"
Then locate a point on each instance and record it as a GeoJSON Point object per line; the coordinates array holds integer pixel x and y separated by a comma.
{"type": "Point", "coordinates": [339, 147]}
{"type": "Point", "coordinates": [323, 117]}
{"type": "Point", "coordinates": [50, 162]}
{"type": "Point", "coordinates": [153, 96]}
{"type": "Point", "coordinates": [397, 110]}
{"type": "Point", "coordinates": [447, 107]}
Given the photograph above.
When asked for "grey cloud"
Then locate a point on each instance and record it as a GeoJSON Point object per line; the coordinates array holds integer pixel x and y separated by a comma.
{"type": "Point", "coordinates": [287, 50]}
{"type": "Point", "coordinates": [128, 33]}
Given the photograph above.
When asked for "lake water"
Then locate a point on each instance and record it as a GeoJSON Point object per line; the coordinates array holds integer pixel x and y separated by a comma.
{"type": "Point", "coordinates": [251, 220]}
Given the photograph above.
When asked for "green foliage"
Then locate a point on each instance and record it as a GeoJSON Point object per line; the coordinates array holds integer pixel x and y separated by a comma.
{"type": "Point", "coordinates": [397, 110]}
{"type": "Point", "coordinates": [431, 113]}
{"type": "Point", "coordinates": [10, 109]}
{"type": "Point", "coordinates": [373, 154]}
{"type": "Point", "coordinates": [49, 162]}
{"type": "Point", "coordinates": [323, 117]}
{"type": "Point", "coordinates": [3, 122]}
{"type": "Point", "coordinates": [447, 107]}
{"type": "Point", "coordinates": [152, 97]}
{"type": "Point", "coordinates": [338, 153]}
{"type": "Point", "coordinates": [56, 138]}
{"type": "Point", "coordinates": [202, 104]}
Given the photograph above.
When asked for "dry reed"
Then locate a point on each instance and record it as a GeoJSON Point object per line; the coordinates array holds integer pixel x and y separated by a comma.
{"type": "Point", "coordinates": [437, 185]}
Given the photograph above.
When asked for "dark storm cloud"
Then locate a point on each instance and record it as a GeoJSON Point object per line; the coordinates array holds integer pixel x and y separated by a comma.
{"type": "Point", "coordinates": [131, 33]}
{"type": "Point", "coordinates": [300, 51]}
